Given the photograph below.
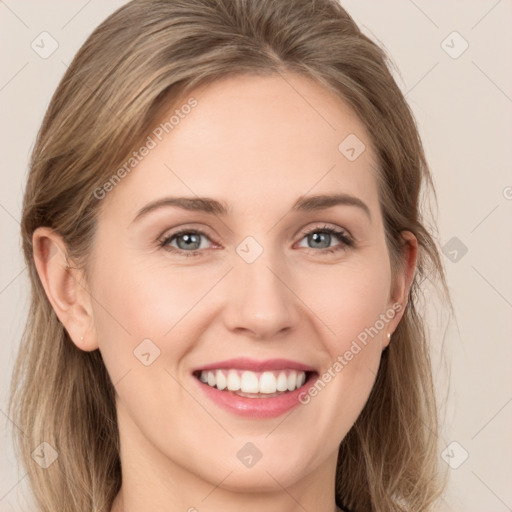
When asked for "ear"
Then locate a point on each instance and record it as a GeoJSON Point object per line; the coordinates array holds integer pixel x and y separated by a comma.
{"type": "Point", "coordinates": [65, 287]}
{"type": "Point", "coordinates": [403, 280]}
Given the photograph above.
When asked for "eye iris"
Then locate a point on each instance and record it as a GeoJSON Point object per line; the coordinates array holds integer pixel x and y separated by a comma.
{"type": "Point", "coordinates": [317, 238]}
{"type": "Point", "coordinates": [190, 238]}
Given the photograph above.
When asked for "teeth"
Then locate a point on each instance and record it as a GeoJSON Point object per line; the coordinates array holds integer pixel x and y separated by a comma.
{"type": "Point", "coordinates": [282, 382]}
{"type": "Point", "coordinates": [233, 380]}
{"type": "Point", "coordinates": [267, 383]}
{"type": "Point", "coordinates": [221, 381]}
{"type": "Point", "coordinates": [292, 381]}
{"type": "Point", "coordinates": [244, 381]}
{"type": "Point", "coordinates": [249, 383]}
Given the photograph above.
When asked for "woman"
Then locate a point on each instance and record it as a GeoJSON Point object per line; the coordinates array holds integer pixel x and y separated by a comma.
{"type": "Point", "coordinates": [189, 345]}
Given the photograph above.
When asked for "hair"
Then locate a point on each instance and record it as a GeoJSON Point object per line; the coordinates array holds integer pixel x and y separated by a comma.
{"type": "Point", "coordinates": [129, 70]}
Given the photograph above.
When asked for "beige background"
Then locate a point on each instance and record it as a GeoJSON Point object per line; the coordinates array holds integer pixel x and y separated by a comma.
{"type": "Point", "coordinates": [463, 106]}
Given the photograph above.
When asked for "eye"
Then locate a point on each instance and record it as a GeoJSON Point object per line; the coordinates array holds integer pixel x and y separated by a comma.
{"type": "Point", "coordinates": [188, 242]}
{"type": "Point", "coordinates": [321, 237]}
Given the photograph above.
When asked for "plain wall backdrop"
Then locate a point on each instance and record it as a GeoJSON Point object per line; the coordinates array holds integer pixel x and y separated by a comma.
{"type": "Point", "coordinates": [454, 62]}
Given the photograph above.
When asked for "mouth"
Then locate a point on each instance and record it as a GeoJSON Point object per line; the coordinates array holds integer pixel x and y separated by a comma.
{"type": "Point", "coordinates": [247, 383]}
{"type": "Point", "coordinates": [255, 389]}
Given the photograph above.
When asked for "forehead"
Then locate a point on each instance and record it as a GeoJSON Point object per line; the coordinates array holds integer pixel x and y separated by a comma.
{"type": "Point", "coordinates": [254, 140]}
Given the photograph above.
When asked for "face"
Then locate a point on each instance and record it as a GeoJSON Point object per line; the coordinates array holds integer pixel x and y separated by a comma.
{"type": "Point", "coordinates": [267, 274]}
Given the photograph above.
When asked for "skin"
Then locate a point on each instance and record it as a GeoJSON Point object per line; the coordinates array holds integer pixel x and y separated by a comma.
{"type": "Point", "coordinates": [257, 144]}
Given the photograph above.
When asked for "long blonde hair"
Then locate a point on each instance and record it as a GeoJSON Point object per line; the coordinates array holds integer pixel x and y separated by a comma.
{"type": "Point", "coordinates": [131, 67]}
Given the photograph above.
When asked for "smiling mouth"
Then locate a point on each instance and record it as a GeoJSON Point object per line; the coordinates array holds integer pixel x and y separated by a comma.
{"type": "Point", "coordinates": [266, 384]}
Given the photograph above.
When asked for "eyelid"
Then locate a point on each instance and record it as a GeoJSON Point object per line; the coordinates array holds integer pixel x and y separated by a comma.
{"type": "Point", "coordinates": [187, 228]}
{"type": "Point", "coordinates": [328, 226]}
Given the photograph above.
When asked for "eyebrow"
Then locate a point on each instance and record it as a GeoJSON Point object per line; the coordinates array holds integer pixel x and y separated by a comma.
{"type": "Point", "coordinates": [214, 207]}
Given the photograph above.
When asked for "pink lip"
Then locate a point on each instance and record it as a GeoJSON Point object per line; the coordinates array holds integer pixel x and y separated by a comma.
{"type": "Point", "coordinates": [244, 363]}
{"type": "Point", "coordinates": [255, 407]}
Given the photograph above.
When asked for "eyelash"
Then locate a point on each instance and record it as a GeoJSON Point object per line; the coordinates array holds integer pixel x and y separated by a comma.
{"type": "Point", "coordinates": [341, 235]}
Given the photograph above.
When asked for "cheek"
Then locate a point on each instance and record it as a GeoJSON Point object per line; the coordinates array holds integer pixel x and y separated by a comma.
{"type": "Point", "coordinates": [349, 300]}
{"type": "Point", "coordinates": [349, 305]}
{"type": "Point", "coordinates": [136, 301]}
{"type": "Point", "coordinates": [147, 299]}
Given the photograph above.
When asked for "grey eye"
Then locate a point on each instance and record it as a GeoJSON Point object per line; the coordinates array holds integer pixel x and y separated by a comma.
{"type": "Point", "coordinates": [190, 240]}
{"type": "Point", "coordinates": [322, 239]}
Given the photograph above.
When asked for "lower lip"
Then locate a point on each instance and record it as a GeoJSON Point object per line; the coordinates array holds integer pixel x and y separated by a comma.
{"type": "Point", "coordinates": [254, 407]}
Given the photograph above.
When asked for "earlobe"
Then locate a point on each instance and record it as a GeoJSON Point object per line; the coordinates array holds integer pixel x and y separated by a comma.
{"type": "Point", "coordinates": [387, 340]}
{"type": "Point", "coordinates": [64, 287]}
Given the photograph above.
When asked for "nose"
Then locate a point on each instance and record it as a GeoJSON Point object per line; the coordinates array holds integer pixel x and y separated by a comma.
{"type": "Point", "coordinates": [261, 302]}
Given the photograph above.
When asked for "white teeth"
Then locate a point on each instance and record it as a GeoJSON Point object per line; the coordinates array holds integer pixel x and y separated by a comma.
{"type": "Point", "coordinates": [221, 380]}
{"type": "Point", "coordinates": [282, 382]}
{"type": "Point", "coordinates": [233, 380]}
{"type": "Point", "coordinates": [249, 383]}
{"type": "Point", "coordinates": [268, 382]}
{"type": "Point", "coordinates": [292, 381]}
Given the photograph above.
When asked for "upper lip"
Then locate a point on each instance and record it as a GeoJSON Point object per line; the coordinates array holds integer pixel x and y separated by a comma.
{"type": "Point", "coordinates": [244, 363]}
